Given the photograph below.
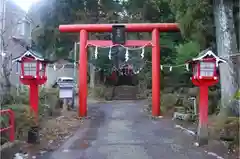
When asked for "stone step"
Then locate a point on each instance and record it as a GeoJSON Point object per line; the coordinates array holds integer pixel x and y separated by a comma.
{"type": "Point", "coordinates": [125, 93]}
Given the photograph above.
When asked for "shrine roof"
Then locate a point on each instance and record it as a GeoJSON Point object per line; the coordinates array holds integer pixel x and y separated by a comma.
{"type": "Point", "coordinates": [31, 53]}
{"type": "Point", "coordinates": [207, 54]}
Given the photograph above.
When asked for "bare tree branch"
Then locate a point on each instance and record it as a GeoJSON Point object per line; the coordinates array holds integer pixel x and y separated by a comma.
{"type": "Point", "coordinates": [7, 31]}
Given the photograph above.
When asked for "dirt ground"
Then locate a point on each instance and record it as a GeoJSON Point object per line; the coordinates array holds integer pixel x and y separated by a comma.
{"type": "Point", "coordinates": [53, 133]}
{"type": "Point", "coordinates": [214, 143]}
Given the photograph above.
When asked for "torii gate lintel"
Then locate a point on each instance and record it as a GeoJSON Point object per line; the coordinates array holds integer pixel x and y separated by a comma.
{"type": "Point", "coordinates": [130, 27]}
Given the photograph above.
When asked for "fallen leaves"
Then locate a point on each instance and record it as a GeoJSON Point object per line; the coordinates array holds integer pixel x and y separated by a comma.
{"type": "Point", "coordinates": [55, 131]}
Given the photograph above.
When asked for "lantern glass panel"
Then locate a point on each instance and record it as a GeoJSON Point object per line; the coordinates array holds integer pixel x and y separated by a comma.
{"type": "Point", "coordinates": [30, 68]}
{"type": "Point", "coordinates": [207, 69]}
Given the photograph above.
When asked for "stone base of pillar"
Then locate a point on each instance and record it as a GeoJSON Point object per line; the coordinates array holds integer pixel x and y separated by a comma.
{"type": "Point", "coordinates": [202, 134]}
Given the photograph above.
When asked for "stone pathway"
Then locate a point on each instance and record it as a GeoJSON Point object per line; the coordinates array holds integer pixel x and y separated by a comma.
{"type": "Point", "coordinates": [122, 130]}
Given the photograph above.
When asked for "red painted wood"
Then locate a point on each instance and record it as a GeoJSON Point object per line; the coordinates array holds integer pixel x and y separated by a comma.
{"type": "Point", "coordinates": [83, 74]}
{"type": "Point", "coordinates": [33, 99]}
{"type": "Point", "coordinates": [133, 27]}
{"type": "Point", "coordinates": [203, 106]}
{"type": "Point", "coordinates": [106, 43]}
{"type": "Point", "coordinates": [155, 73]}
{"type": "Point", "coordinates": [33, 82]}
{"type": "Point", "coordinates": [11, 126]}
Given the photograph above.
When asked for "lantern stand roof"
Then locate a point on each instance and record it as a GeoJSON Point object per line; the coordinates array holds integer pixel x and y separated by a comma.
{"type": "Point", "coordinates": [207, 53]}
{"type": "Point", "coordinates": [33, 54]}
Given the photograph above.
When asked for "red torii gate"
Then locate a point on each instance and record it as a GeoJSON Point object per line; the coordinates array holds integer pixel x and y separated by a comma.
{"type": "Point", "coordinates": [155, 28]}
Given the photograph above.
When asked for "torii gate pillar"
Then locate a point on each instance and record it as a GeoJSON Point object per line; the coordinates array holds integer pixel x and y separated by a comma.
{"type": "Point", "coordinates": [155, 28]}
{"type": "Point", "coordinates": [155, 73]}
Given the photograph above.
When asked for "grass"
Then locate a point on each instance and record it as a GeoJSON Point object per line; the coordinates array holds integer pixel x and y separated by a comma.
{"type": "Point", "coordinates": [24, 117]}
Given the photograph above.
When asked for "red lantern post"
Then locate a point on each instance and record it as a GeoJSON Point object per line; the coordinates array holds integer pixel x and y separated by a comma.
{"type": "Point", "coordinates": [205, 74]}
{"type": "Point", "coordinates": [33, 74]}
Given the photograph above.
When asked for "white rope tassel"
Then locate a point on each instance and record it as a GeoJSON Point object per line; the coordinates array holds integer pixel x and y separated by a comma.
{"type": "Point", "coordinates": [187, 67]}
{"type": "Point", "coordinates": [142, 54]}
{"type": "Point", "coordinates": [161, 67]}
{"type": "Point", "coordinates": [54, 67]}
{"type": "Point", "coordinates": [136, 72]}
{"type": "Point", "coordinates": [96, 52]}
{"type": "Point", "coordinates": [126, 55]}
{"type": "Point", "coordinates": [170, 68]}
{"type": "Point", "coordinates": [3, 54]}
{"type": "Point", "coordinates": [110, 53]}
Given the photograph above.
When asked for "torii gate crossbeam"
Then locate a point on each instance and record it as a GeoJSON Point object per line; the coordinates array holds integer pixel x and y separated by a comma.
{"type": "Point", "coordinates": [155, 28]}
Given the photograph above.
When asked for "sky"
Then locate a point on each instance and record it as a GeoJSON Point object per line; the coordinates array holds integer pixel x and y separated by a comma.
{"type": "Point", "coordinates": [25, 4]}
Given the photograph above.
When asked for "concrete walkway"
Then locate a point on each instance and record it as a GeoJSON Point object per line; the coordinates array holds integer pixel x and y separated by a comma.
{"type": "Point", "coordinates": [122, 130]}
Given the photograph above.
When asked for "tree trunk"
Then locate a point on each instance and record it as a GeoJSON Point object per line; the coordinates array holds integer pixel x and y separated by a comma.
{"type": "Point", "coordinates": [226, 46]}
{"type": "Point", "coordinates": [5, 63]}
{"type": "Point", "coordinates": [5, 82]}
{"type": "Point", "coordinates": [92, 70]}
{"type": "Point", "coordinates": [92, 76]}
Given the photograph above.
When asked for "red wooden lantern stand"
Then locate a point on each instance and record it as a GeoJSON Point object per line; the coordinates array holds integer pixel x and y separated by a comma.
{"type": "Point", "coordinates": [205, 74]}
{"type": "Point", "coordinates": [33, 84]}
{"type": "Point", "coordinates": [84, 29]}
{"type": "Point", "coordinates": [33, 74]}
